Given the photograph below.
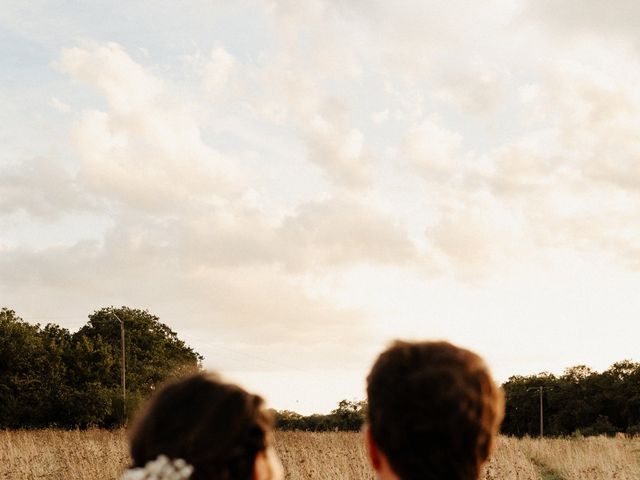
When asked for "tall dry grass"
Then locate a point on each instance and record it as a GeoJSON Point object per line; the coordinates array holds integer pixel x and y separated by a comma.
{"type": "Point", "coordinates": [102, 455]}
{"type": "Point", "coordinates": [56, 454]}
{"type": "Point", "coordinates": [587, 458]}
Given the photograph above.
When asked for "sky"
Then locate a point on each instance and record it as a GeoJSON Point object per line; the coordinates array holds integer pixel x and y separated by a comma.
{"type": "Point", "coordinates": [291, 185]}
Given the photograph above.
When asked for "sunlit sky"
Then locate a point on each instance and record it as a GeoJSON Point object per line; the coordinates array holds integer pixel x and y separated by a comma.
{"type": "Point", "coordinates": [290, 185]}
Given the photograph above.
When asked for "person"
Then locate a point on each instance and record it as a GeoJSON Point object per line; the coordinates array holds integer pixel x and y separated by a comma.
{"type": "Point", "coordinates": [202, 428]}
{"type": "Point", "coordinates": [433, 412]}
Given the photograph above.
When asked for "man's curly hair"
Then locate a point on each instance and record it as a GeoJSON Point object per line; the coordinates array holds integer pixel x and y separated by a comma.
{"type": "Point", "coordinates": [434, 410]}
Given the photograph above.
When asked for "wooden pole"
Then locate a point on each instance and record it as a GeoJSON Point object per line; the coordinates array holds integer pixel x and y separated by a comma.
{"type": "Point", "coordinates": [541, 416]}
{"type": "Point", "coordinates": [124, 376]}
{"type": "Point", "coordinates": [123, 371]}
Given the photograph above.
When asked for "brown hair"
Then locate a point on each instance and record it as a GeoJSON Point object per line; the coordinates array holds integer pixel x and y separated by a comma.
{"type": "Point", "coordinates": [216, 427]}
{"type": "Point", "coordinates": [434, 410]}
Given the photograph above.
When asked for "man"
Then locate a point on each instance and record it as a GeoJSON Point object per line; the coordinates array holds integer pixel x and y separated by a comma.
{"type": "Point", "coordinates": [434, 412]}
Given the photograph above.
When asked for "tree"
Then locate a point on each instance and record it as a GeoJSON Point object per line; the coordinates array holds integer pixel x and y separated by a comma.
{"type": "Point", "coordinates": [22, 368]}
{"type": "Point", "coordinates": [350, 415]}
{"type": "Point", "coordinates": [153, 352]}
{"type": "Point", "coordinates": [49, 377]}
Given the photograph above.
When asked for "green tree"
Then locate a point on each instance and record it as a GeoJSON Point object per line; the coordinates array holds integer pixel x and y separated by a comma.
{"type": "Point", "coordinates": [22, 367]}
{"type": "Point", "coordinates": [91, 399]}
{"type": "Point", "coordinates": [153, 352]}
{"type": "Point", "coordinates": [350, 415]}
{"type": "Point", "coordinates": [49, 377]}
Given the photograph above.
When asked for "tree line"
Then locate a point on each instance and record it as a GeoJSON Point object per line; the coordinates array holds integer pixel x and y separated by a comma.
{"type": "Point", "coordinates": [348, 416]}
{"type": "Point", "coordinates": [579, 402]}
{"type": "Point", "coordinates": [50, 377]}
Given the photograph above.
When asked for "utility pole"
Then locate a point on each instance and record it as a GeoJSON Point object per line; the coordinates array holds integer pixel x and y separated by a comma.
{"type": "Point", "coordinates": [123, 370]}
{"type": "Point", "coordinates": [541, 410]}
{"type": "Point", "coordinates": [540, 389]}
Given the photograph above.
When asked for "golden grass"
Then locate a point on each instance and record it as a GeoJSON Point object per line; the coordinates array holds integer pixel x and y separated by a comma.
{"type": "Point", "coordinates": [102, 455]}
{"type": "Point", "coordinates": [323, 456]}
{"type": "Point", "coordinates": [49, 454]}
{"type": "Point", "coordinates": [587, 458]}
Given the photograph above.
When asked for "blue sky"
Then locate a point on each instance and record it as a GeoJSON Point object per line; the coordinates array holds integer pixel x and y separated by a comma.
{"type": "Point", "coordinates": [291, 185]}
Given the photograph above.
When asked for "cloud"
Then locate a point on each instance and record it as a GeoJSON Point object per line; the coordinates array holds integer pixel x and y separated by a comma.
{"type": "Point", "coordinates": [433, 150]}
{"type": "Point", "coordinates": [59, 105]}
{"type": "Point", "coordinates": [477, 233]}
{"type": "Point", "coordinates": [567, 180]}
{"type": "Point", "coordinates": [219, 69]}
{"type": "Point", "coordinates": [147, 150]}
{"type": "Point", "coordinates": [520, 169]}
{"type": "Point", "coordinates": [595, 111]}
{"type": "Point", "coordinates": [527, 198]}
{"type": "Point", "coordinates": [317, 237]}
{"type": "Point", "coordinates": [587, 17]}
{"type": "Point", "coordinates": [301, 78]}
{"type": "Point", "coordinates": [288, 89]}
{"type": "Point", "coordinates": [474, 87]}
{"type": "Point", "coordinates": [336, 147]}
{"type": "Point", "coordinates": [318, 37]}
{"type": "Point", "coordinates": [146, 153]}
{"type": "Point", "coordinates": [245, 305]}
{"type": "Point", "coordinates": [380, 117]}
{"type": "Point", "coordinates": [42, 187]}
{"type": "Point", "coordinates": [126, 84]}
{"type": "Point", "coordinates": [324, 123]}
{"type": "Point", "coordinates": [343, 231]}
{"type": "Point", "coordinates": [154, 160]}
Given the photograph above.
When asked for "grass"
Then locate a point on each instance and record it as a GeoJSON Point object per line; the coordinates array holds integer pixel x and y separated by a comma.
{"type": "Point", "coordinates": [102, 455]}
{"type": "Point", "coordinates": [546, 472]}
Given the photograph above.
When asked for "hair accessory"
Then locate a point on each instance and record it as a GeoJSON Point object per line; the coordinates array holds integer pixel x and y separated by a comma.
{"type": "Point", "coordinates": [162, 468]}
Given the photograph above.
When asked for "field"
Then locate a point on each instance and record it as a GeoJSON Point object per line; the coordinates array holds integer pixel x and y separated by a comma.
{"type": "Point", "coordinates": [101, 455]}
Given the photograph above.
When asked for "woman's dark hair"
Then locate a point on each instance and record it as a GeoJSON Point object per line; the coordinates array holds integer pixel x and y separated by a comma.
{"type": "Point", "coordinates": [217, 427]}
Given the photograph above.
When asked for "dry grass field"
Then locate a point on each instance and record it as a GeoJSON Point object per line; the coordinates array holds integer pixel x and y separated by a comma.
{"type": "Point", "coordinates": [102, 455]}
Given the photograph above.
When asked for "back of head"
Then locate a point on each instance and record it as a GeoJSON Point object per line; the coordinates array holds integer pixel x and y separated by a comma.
{"type": "Point", "coordinates": [434, 410]}
{"type": "Point", "coordinates": [216, 427]}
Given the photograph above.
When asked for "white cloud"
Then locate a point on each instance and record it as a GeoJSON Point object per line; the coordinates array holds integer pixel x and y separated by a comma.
{"type": "Point", "coordinates": [145, 262]}
{"type": "Point", "coordinates": [433, 150]}
{"type": "Point", "coordinates": [343, 231]}
{"type": "Point", "coordinates": [338, 149]}
{"type": "Point", "coordinates": [474, 88]}
{"type": "Point", "coordinates": [126, 84]}
{"type": "Point", "coordinates": [147, 150]}
{"type": "Point", "coordinates": [380, 117]}
{"type": "Point", "coordinates": [615, 18]}
{"type": "Point", "coordinates": [315, 54]}
{"type": "Point", "coordinates": [317, 237]}
{"type": "Point", "coordinates": [59, 105]}
{"type": "Point", "coordinates": [218, 70]}
{"type": "Point", "coordinates": [520, 169]}
{"type": "Point", "coordinates": [146, 140]}
{"type": "Point", "coordinates": [41, 187]}
{"type": "Point", "coordinates": [324, 122]}
{"type": "Point", "coordinates": [477, 233]}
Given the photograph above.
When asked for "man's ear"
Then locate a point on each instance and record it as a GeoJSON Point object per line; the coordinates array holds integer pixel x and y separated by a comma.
{"type": "Point", "coordinates": [372, 448]}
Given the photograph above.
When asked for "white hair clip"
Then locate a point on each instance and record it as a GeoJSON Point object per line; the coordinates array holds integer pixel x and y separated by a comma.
{"type": "Point", "coordinates": [162, 468]}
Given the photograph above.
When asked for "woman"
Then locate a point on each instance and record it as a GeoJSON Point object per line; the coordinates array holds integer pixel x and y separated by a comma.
{"type": "Point", "coordinates": [201, 428]}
